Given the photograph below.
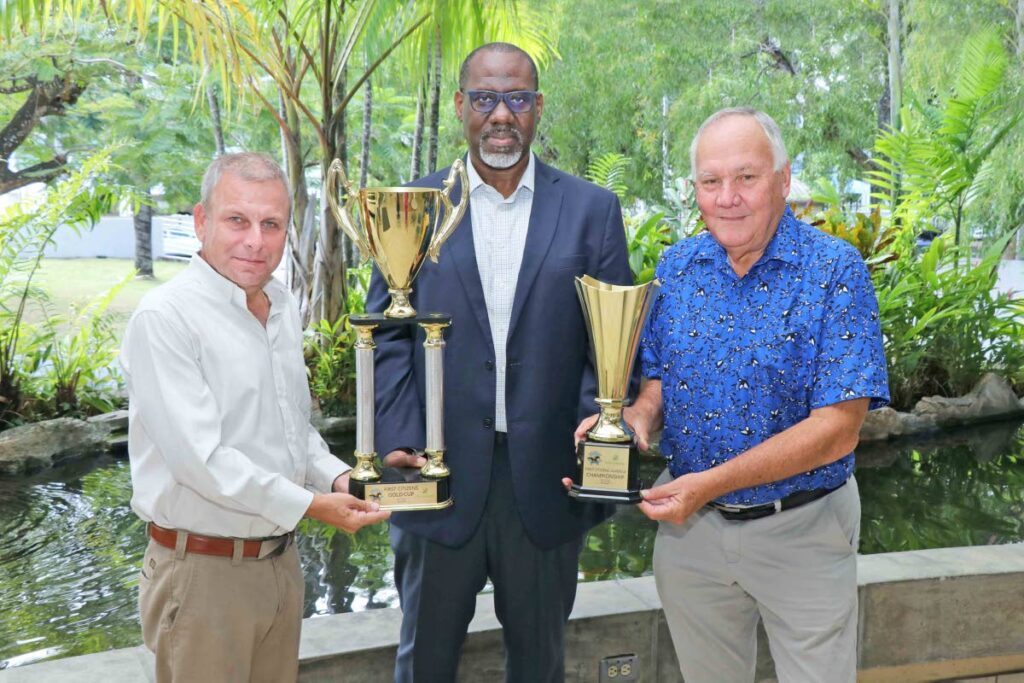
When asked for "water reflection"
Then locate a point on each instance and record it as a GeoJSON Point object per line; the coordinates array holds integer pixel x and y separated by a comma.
{"type": "Point", "coordinates": [70, 546]}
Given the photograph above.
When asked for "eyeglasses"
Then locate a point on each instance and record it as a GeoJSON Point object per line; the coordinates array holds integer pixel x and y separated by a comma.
{"type": "Point", "coordinates": [517, 101]}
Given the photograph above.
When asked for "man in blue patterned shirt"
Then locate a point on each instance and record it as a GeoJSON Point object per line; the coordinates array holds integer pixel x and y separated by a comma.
{"type": "Point", "coordinates": [761, 358]}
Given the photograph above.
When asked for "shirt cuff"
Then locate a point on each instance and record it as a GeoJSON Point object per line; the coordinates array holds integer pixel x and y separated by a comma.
{"type": "Point", "coordinates": [289, 506]}
{"type": "Point", "coordinates": [323, 471]}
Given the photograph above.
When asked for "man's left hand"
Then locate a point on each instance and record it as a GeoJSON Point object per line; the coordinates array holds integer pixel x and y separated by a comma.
{"type": "Point", "coordinates": [674, 501]}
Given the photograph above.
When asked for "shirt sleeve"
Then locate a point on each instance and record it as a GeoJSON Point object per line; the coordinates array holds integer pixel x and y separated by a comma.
{"type": "Point", "coordinates": [323, 467]}
{"type": "Point", "coordinates": [850, 361]}
{"type": "Point", "coordinates": [650, 347]}
{"type": "Point", "coordinates": [180, 415]}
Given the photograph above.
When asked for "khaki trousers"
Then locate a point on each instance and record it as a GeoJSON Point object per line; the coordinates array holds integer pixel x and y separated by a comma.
{"type": "Point", "coordinates": [209, 618]}
{"type": "Point", "coordinates": [795, 570]}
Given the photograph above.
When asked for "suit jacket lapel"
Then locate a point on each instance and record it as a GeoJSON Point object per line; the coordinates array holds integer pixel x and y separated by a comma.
{"type": "Point", "coordinates": [547, 203]}
{"type": "Point", "coordinates": [461, 249]}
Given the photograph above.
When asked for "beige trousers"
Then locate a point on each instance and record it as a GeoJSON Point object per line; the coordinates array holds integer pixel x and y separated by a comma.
{"type": "Point", "coordinates": [795, 570]}
{"type": "Point", "coordinates": [211, 619]}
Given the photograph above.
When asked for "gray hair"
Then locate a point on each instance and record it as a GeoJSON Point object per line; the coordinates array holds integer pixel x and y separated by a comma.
{"type": "Point", "coordinates": [250, 166]}
{"type": "Point", "coordinates": [768, 125]}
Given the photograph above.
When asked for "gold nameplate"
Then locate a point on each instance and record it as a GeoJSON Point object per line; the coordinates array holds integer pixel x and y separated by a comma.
{"type": "Point", "coordinates": [605, 467]}
{"type": "Point", "coordinates": [399, 496]}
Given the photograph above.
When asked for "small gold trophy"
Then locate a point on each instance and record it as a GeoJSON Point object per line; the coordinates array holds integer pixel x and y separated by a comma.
{"type": "Point", "coordinates": [608, 460]}
{"type": "Point", "coordinates": [398, 227]}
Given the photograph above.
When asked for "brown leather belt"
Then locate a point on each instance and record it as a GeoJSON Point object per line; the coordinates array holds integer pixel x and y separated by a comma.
{"type": "Point", "coordinates": [212, 545]}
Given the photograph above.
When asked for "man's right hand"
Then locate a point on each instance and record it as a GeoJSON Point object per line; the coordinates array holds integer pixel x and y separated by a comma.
{"type": "Point", "coordinates": [344, 511]}
{"type": "Point", "coordinates": [403, 458]}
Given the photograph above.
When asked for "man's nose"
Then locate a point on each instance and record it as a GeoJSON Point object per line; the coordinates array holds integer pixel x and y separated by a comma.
{"type": "Point", "coordinates": [254, 237]}
{"type": "Point", "coordinates": [502, 113]}
{"type": "Point", "coordinates": [728, 195]}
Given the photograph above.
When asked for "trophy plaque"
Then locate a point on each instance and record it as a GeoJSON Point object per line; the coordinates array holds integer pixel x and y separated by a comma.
{"type": "Point", "coordinates": [608, 462]}
{"type": "Point", "coordinates": [398, 227]}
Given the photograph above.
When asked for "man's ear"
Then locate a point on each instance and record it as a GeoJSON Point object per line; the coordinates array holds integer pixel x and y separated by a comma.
{"type": "Point", "coordinates": [199, 221]}
{"type": "Point", "coordinates": [458, 104]}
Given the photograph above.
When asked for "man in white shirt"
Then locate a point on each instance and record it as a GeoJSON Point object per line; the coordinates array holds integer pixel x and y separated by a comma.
{"type": "Point", "coordinates": [224, 461]}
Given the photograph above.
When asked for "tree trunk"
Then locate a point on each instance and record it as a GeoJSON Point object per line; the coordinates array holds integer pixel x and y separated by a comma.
{"type": "Point", "coordinates": [302, 229]}
{"type": "Point", "coordinates": [435, 104]}
{"type": "Point", "coordinates": [895, 64]}
{"type": "Point", "coordinates": [364, 153]}
{"type": "Point", "coordinates": [417, 139]}
{"type": "Point", "coordinates": [42, 99]}
{"type": "Point", "coordinates": [218, 130]}
{"type": "Point", "coordinates": [143, 223]}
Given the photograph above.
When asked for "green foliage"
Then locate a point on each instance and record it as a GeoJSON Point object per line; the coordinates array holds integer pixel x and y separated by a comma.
{"type": "Point", "coordinates": [609, 172]}
{"type": "Point", "coordinates": [79, 374]}
{"type": "Point", "coordinates": [937, 163]}
{"type": "Point", "coordinates": [945, 326]}
{"type": "Point", "coordinates": [867, 233]}
{"type": "Point", "coordinates": [29, 355]}
{"type": "Point", "coordinates": [330, 361]}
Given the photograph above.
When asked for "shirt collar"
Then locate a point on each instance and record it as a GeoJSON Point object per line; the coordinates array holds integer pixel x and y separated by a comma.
{"type": "Point", "coordinates": [224, 288]}
{"type": "Point", "coordinates": [527, 180]}
{"type": "Point", "coordinates": [783, 245]}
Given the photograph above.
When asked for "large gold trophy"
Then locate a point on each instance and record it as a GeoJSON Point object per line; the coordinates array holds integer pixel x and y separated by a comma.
{"type": "Point", "coordinates": [608, 460]}
{"type": "Point", "coordinates": [398, 227]}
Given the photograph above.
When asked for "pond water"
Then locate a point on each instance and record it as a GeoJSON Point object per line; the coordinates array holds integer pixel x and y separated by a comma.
{"type": "Point", "coordinates": [70, 546]}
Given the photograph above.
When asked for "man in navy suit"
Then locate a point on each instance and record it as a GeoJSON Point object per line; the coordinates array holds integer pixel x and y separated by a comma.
{"type": "Point", "coordinates": [517, 381]}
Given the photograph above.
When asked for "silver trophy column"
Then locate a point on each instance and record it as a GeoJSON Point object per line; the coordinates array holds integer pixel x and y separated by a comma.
{"type": "Point", "coordinates": [433, 353]}
{"type": "Point", "coordinates": [365, 469]}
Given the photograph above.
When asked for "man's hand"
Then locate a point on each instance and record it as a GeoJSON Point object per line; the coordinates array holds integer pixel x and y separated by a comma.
{"type": "Point", "coordinates": [581, 432]}
{"type": "Point", "coordinates": [674, 501]}
{"type": "Point", "coordinates": [344, 511]}
{"type": "Point", "coordinates": [340, 484]}
{"type": "Point", "coordinates": [642, 424]}
{"type": "Point", "coordinates": [403, 458]}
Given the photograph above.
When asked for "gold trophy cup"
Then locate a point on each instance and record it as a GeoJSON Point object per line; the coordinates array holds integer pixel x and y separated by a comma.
{"type": "Point", "coordinates": [397, 227]}
{"type": "Point", "coordinates": [608, 461]}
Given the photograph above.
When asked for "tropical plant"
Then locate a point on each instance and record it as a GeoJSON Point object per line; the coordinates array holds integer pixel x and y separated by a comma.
{"type": "Point", "coordinates": [77, 366]}
{"type": "Point", "coordinates": [609, 171]}
{"type": "Point", "coordinates": [26, 229]}
{"type": "Point", "coordinates": [330, 361]}
{"type": "Point", "coordinates": [937, 162]}
{"type": "Point", "coordinates": [945, 327]}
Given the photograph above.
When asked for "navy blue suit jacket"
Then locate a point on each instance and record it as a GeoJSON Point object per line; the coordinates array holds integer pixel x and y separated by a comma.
{"type": "Point", "coordinates": [575, 229]}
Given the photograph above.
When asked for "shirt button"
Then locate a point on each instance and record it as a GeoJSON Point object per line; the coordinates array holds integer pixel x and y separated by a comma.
{"type": "Point", "coordinates": [488, 423]}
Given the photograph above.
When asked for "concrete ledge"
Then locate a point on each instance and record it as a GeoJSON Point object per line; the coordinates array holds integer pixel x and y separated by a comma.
{"type": "Point", "coordinates": [925, 616]}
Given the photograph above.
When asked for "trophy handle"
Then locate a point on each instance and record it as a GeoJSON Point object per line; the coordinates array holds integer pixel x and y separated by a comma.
{"type": "Point", "coordinates": [452, 214]}
{"type": "Point", "coordinates": [342, 213]}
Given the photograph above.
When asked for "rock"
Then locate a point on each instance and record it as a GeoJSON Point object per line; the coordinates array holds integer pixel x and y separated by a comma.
{"type": "Point", "coordinates": [117, 420]}
{"type": "Point", "coordinates": [42, 444]}
{"type": "Point", "coordinates": [991, 397]}
{"type": "Point", "coordinates": [881, 424]}
{"type": "Point", "coordinates": [334, 427]}
{"type": "Point", "coordinates": [917, 424]}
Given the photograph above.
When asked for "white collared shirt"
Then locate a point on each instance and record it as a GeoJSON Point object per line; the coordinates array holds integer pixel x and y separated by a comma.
{"type": "Point", "coordinates": [499, 238]}
{"type": "Point", "coordinates": [219, 437]}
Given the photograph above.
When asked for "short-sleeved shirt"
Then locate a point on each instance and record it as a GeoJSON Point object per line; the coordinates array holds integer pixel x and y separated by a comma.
{"type": "Point", "coordinates": [742, 359]}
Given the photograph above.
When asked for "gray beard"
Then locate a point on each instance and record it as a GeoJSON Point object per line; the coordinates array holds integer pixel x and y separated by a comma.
{"type": "Point", "coordinates": [501, 160]}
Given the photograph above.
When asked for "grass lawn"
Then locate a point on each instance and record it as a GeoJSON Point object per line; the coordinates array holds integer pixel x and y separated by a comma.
{"type": "Point", "coordinates": [76, 282]}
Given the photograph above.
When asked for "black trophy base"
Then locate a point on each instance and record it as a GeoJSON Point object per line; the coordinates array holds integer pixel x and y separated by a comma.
{"type": "Point", "coordinates": [404, 488]}
{"type": "Point", "coordinates": [607, 473]}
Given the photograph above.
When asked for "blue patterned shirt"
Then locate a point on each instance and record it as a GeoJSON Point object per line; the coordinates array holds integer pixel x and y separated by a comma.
{"type": "Point", "coordinates": [742, 359]}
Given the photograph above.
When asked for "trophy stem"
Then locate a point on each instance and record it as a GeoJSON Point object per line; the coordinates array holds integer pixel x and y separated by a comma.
{"type": "Point", "coordinates": [433, 352]}
{"type": "Point", "coordinates": [365, 470]}
{"type": "Point", "coordinates": [400, 306]}
{"type": "Point", "coordinates": [610, 427]}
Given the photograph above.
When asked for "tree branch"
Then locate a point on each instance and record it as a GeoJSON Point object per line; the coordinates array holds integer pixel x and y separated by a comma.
{"type": "Point", "coordinates": [40, 173]}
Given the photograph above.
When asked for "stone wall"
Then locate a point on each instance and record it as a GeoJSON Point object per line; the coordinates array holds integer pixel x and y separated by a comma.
{"type": "Point", "coordinates": [929, 615]}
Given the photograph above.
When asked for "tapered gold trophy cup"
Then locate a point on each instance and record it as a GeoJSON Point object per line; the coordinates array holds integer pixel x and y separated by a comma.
{"type": "Point", "coordinates": [608, 460]}
{"type": "Point", "coordinates": [398, 227]}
